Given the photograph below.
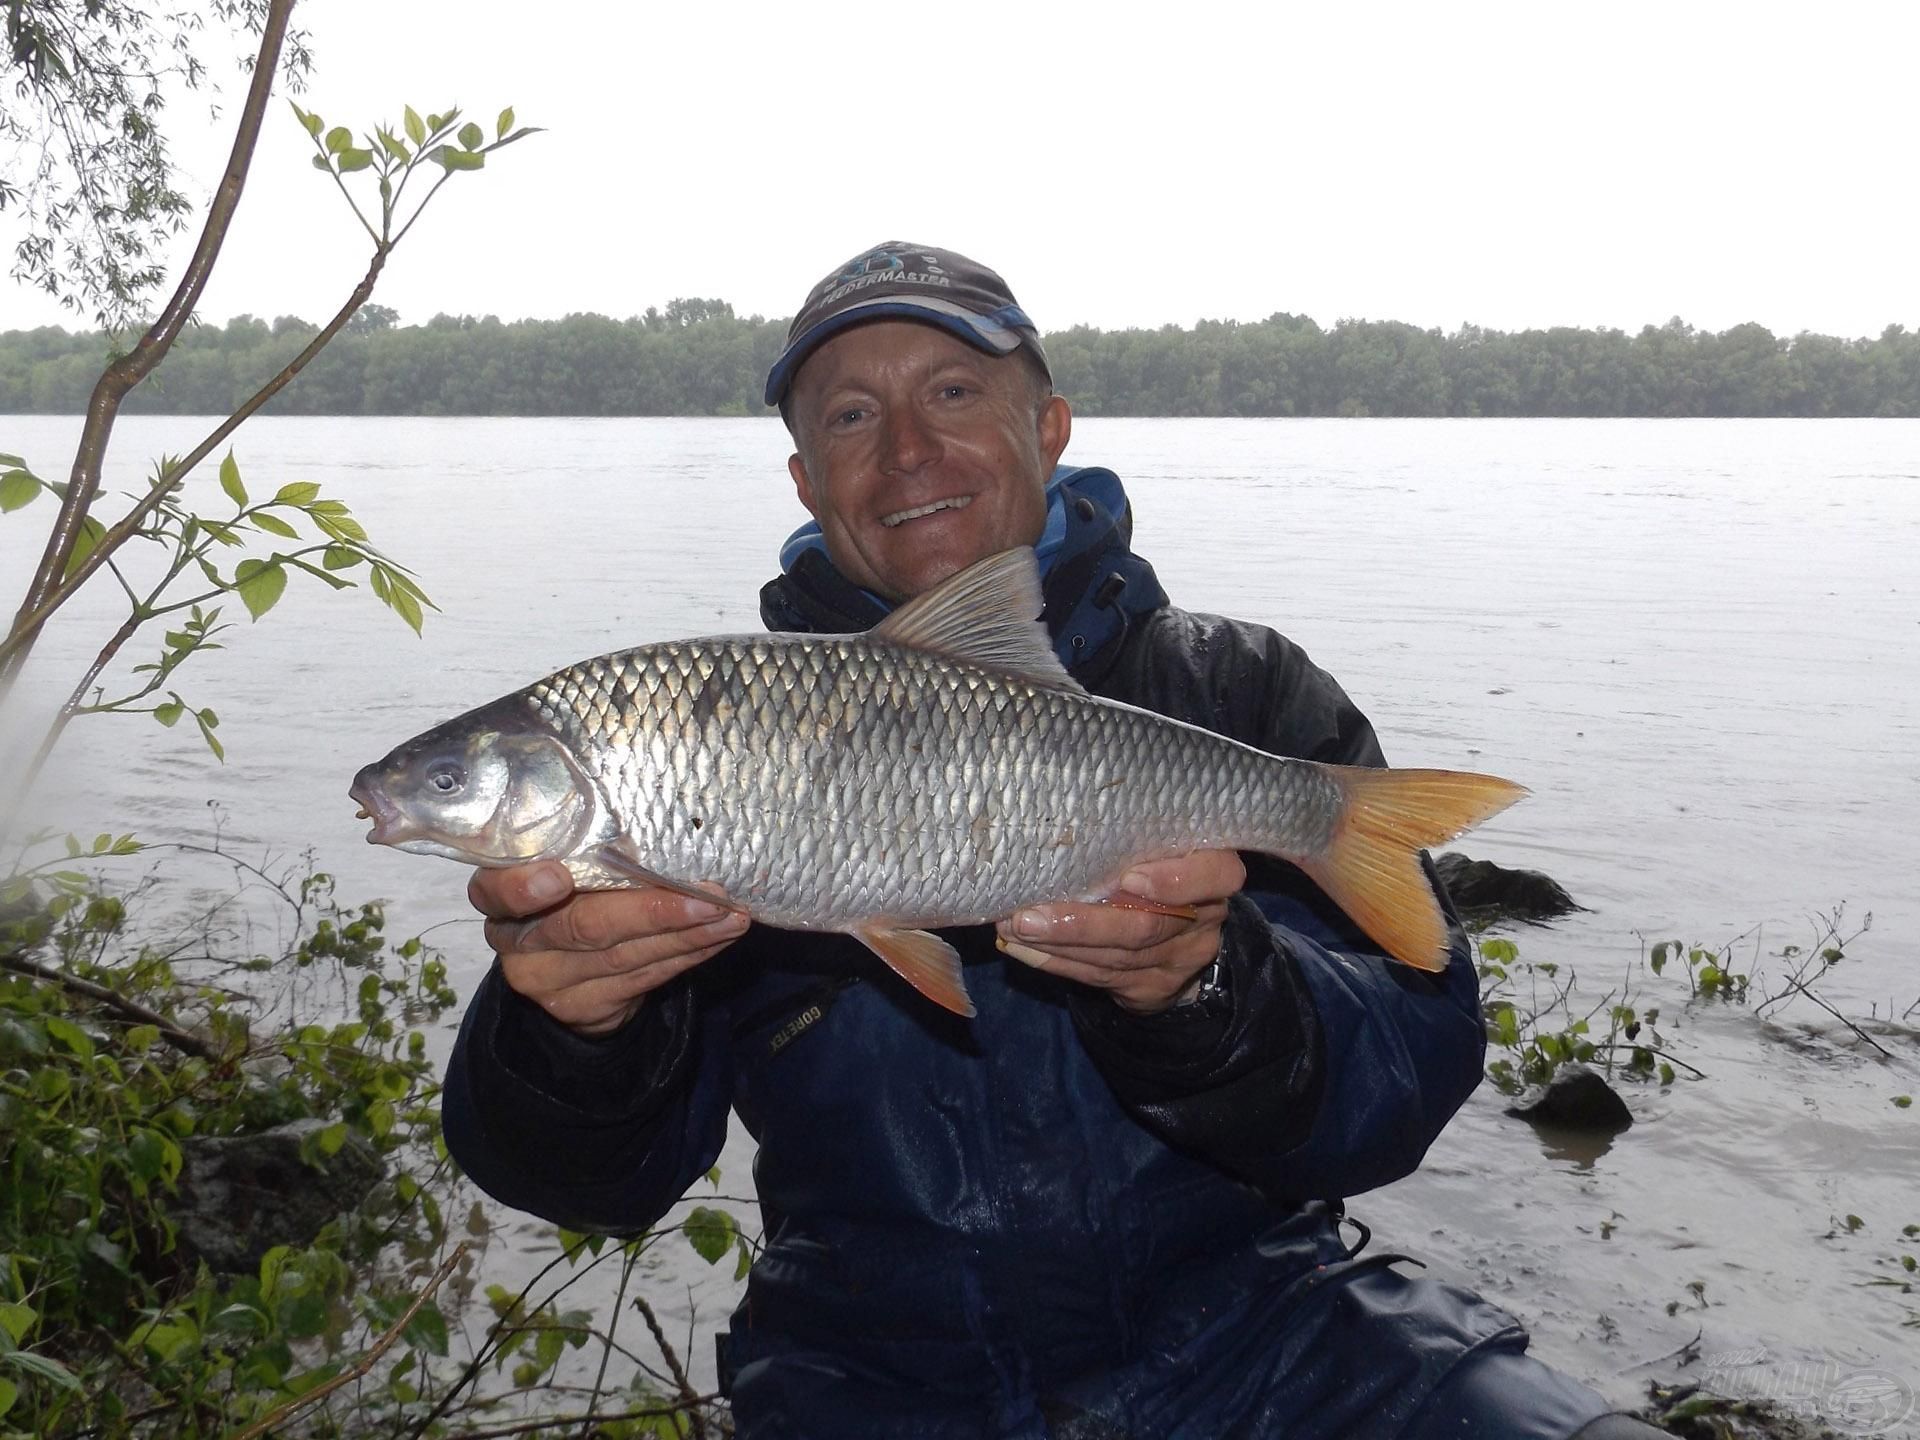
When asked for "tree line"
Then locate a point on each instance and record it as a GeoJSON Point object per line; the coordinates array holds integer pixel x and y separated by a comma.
{"type": "Point", "coordinates": [697, 357]}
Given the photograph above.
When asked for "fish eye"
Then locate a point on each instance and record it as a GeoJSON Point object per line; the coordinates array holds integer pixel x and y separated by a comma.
{"type": "Point", "coordinates": [446, 776]}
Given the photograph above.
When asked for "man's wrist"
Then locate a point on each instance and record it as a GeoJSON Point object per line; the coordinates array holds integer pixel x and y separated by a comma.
{"type": "Point", "coordinates": [1209, 985]}
{"type": "Point", "coordinates": [1207, 990]}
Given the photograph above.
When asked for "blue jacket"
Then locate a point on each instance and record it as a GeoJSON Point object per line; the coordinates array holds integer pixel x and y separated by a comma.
{"type": "Point", "coordinates": [980, 1215]}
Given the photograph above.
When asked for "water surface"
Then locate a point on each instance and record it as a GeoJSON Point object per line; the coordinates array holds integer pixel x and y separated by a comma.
{"type": "Point", "coordinates": [1697, 642]}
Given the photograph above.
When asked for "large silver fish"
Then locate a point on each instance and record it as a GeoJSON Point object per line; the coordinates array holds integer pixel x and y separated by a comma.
{"type": "Point", "coordinates": [941, 769]}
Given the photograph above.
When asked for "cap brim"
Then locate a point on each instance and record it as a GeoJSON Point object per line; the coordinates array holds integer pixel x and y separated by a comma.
{"type": "Point", "coordinates": [980, 331]}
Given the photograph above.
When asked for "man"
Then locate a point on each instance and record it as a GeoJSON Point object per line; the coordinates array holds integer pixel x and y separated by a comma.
{"type": "Point", "coordinates": [1109, 1206]}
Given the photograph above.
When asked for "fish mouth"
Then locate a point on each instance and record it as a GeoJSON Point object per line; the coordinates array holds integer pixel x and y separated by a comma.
{"type": "Point", "coordinates": [388, 825]}
{"type": "Point", "coordinates": [951, 502]}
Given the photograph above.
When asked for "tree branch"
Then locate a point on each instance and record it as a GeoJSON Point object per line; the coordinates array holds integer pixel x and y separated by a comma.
{"type": "Point", "coordinates": [130, 369]}
{"type": "Point", "coordinates": [367, 1361]}
{"type": "Point", "coordinates": [183, 1040]}
{"type": "Point", "coordinates": [689, 1397]}
{"type": "Point", "coordinates": [14, 648]}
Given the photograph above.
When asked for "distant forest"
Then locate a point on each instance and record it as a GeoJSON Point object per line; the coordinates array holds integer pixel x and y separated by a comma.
{"type": "Point", "coordinates": [697, 357]}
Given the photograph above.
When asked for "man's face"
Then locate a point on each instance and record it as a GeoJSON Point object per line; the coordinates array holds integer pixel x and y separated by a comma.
{"type": "Point", "coordinates": [919, 454]}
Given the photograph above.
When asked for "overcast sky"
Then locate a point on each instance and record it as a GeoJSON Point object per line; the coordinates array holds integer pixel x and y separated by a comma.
{"type": "Point", "coordinates": [1509, 165]}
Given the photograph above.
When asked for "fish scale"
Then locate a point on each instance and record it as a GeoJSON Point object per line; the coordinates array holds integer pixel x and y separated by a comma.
{"type": "Point", "coordinates": [942, 769]}
{"type": "Point", "coordinates": [836, 779]}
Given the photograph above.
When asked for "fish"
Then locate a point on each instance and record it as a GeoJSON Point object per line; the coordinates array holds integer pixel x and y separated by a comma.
{"type": "Point", "coordinates": [940, 769]}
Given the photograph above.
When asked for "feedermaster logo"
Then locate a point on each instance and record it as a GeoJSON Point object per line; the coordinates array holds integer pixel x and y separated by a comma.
{"type": "Point", "coordinates": [891, 267]}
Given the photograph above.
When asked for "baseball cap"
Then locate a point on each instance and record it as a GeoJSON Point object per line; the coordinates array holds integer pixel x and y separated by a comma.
{"type": "Point", "coordinates": [910, 282]}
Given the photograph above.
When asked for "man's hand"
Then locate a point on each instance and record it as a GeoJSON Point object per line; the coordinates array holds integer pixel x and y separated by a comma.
{"type": "Point", "coordinates": [1146, 961]}
{"type": "Point", "coordinates": [588, 959]}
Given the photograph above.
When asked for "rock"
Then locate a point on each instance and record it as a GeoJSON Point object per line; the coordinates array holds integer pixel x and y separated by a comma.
{"type": "Point", "coordinates": [241, 1195]}
{"type": "Point", "coordinates": [1577, 1098]}
{"type": "Point", "coordinates": [1491, 892]}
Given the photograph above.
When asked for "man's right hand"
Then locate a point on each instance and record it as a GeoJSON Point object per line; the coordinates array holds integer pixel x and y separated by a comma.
{"type": "Point", "coordinates": [588, 959]}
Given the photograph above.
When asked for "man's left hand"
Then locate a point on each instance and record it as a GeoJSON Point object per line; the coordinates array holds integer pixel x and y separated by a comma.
{"type": "Point", "coordinates": [1144, 959]}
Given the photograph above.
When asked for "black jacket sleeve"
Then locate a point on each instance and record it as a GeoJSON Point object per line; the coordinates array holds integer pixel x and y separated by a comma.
{"type": "Point", "coordinates": [1326, 1069]}
{"type": "Point", "coordinates": [600, 1135]}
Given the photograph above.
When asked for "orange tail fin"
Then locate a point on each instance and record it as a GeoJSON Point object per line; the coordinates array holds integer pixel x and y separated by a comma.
{"type": "Point", "coordinates": [1371, 867]}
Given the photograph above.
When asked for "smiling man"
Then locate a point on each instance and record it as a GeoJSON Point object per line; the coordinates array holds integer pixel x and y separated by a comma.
{"type": "Point", "coordinates": [1110, 1206]}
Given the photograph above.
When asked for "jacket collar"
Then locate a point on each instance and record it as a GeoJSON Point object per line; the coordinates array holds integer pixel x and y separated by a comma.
{"type": "Point", "coordinates": [1096, 588]}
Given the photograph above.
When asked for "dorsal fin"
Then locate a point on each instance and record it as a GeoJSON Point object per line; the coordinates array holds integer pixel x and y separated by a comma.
{"type": "Point", "coordinates": [985, 616]}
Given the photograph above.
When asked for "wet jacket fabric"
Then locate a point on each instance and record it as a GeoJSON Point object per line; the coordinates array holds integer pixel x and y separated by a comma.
{"type": "Point", "coordinates": [1057, 1218]}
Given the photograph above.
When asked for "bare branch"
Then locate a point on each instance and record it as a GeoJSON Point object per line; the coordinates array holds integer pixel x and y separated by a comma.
{"type": "Point", "coordinates": [180, 1039]}
{"type": "Point", "coordinates": [367, 1361]}
{"type": "Point", "coordinates": [130, 369]}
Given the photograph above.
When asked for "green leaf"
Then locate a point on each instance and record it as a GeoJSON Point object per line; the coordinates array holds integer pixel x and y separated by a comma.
{"type": "Point", "coordinates": [472, 136]}
{"type": "Point", "coordinates": [407, 608]}
{"type": "Point", "coordinates": [520, 134]}
{"type": "Point", "coordinates": [339, 139]}
{"type": "Point", "coordinates": [743, 1264]}
{"type": "Point", "coordinates": [240, 1319]}
{"type": "Point", "coordinates": [395, 147]}
{"type": "Point", "coordinates": [416, 127]}
{"type": "Point", "coordinates": [168, 712]}
{"type": "Point", "coordinates": [450, 159]}
{"type": "Point", "coordinates": [17, 488]}
{"type": "Point", "coordinates": [340, 527]}
{"type": "Point", "coordinates": [303, 1316]}
{"type": "Point", "coordinates": [314, 570]}
{"type": "Point", "coordinates": [1499, 951]}
{"type": "Point", "coordinates": [70, 1035]}
{"type": "Point", "coordinates": [260, 584]}
{"type": "Point", "coordinates": [89, 537]}
{"type": "Point", "coordinates": [272, 1264]}
{"type": "Point", "coordinates": [16, 1320]}
{"type": "Point", "coordinates": [355, 159]}
{"type": "Point", "coordinates": [320, 163]}
{"type": "Point", "coordinates": [9, 1392]}
{"type": "Point", "coordinates": [428, 1330]}
{"type": "Point", "coordinates": [1903, 1101]}
{"type": "Point", "coordinates": [154, 1156]}
{"type": "Point", "coordinates": [44, 1366]}
{"type": "Point", "coordinates": [340, 557]}
{"type": "Point", "coordinates": [309, 121]}
{"type": "Point", "coordinates": [299, 492]}
{"type": "Point", "coordinates": [274, 525]}
{"type": "Point", "coordinates": [504, 124]}
{"type": "Point", "coordinates": [710, 1232]}
{"type": "Point", "coordinates": [230, 480]}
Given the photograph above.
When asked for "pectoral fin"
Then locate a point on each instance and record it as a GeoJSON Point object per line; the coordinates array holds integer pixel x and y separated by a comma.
{"type": "Point", "coordinates": [924, 961]}
{"type": "Point", "coordinates": [1133, 900]}
{"type": "Point", "coordinates": [618, 857]}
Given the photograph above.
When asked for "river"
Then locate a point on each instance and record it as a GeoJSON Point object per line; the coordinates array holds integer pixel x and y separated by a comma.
{"type": "Point", "coordinates": [1698, 642]}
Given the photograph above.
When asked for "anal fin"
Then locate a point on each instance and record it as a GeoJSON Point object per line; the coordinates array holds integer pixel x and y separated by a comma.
{"type": "Point", "coordinates": [924, 961]}
{"type": "Point", "coordinates": [1133, 900]}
